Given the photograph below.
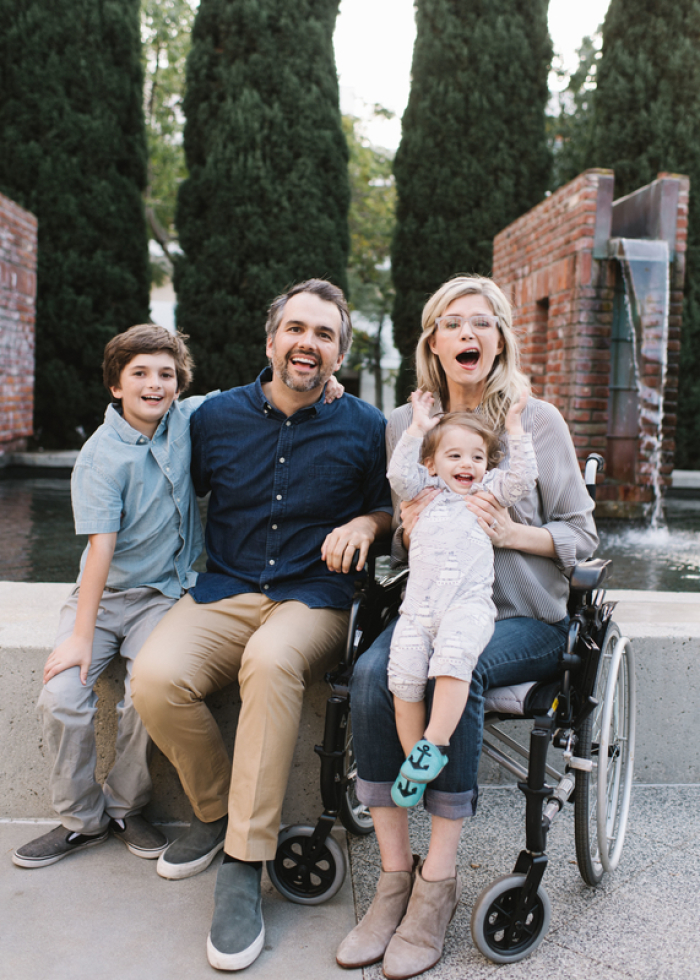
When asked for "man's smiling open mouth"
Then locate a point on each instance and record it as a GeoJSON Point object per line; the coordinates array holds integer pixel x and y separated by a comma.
{"type": "Point", "coordinates": [303, 360]}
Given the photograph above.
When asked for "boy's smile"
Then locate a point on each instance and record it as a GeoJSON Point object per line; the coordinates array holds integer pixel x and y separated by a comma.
{"type": "Point", "coordinates": [460, 459]}
{"type": "Point", "coordinates": [147, 388]}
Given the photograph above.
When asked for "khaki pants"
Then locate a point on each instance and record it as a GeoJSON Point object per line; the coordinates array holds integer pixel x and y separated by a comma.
{"type": "Point", "coordinates": [273, 650]}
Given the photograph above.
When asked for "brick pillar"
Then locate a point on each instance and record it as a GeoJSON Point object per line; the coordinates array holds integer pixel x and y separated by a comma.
{"type": "Point", "coordinates": [18, 254]}
{"type": "Point", "coordinates": [553, 263]}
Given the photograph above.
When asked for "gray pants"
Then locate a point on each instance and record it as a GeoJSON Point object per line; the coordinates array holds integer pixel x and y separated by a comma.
{"type": "Point", "coordinates": [124, 621]}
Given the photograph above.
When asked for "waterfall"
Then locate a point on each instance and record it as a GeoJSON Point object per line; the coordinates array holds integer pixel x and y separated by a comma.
{"type": "Point", "coordinates": [645, 266]}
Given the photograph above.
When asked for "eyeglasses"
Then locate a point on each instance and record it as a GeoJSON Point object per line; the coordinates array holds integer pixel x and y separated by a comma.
{"type": "Point", "coordinates": [480, 322]}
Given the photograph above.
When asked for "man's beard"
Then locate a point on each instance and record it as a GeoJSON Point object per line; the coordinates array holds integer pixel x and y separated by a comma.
{"type": "Point", "coordinates": [308, 383]}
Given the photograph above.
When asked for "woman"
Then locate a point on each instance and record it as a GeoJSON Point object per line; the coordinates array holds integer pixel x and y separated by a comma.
{"type": "Point", "coordinates": [537, 542]}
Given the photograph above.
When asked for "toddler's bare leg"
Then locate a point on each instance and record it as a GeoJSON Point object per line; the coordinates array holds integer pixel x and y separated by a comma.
{"type": "Point", "coordinates": [449, 701]}
{"type": "Point", "coordinates": [410, 722]}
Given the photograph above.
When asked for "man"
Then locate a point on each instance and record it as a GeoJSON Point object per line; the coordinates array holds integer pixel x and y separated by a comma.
{"type": "Point", "coordinates": [297, 487]}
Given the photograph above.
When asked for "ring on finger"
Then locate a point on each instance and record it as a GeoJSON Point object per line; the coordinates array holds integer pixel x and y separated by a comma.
{"type": "Point", "coordinates": [494, 524]}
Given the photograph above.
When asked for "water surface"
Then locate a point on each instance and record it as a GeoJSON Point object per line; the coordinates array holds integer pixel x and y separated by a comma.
{"type": "Point", "coordinates": [38, 544]}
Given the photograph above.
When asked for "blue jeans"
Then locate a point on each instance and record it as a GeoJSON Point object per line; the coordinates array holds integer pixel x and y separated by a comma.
{"type": "Point", "coordinates": [520, 650]}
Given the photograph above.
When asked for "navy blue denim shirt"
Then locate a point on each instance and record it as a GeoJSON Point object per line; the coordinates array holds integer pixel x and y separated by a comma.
{"type": "Point", "coordinates": [278, 486]}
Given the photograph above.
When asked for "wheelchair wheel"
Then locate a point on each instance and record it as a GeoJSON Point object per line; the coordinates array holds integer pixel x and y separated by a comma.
{"type": "Point", "coordinates": [354, 816]}
{"type": "Point", "coordinates": [495, 931]}
{"type": "Point", "coordinates": [300, 878]}
{"type": "Point", "coordinates": [607, 739]}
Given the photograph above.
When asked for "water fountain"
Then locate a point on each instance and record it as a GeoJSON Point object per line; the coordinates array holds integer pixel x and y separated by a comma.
{"type": "Point", "coordinates": [597, 286]}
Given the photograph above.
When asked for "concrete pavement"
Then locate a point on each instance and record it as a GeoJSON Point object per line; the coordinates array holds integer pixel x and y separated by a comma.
{"type": "Point", "coordinates": [106, 915]}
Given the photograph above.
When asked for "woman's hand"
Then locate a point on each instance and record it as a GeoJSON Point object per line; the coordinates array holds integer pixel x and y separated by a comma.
{"type": "Point", "coordinates": [494, 519]}
{"type": "Point", "coordinates": [412, 509]}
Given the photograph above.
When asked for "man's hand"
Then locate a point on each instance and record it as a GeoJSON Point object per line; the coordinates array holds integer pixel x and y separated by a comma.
{"type": "Point", "coordinates": [73, 652]}
{"type": "Point", "coordinates": [341, 544]}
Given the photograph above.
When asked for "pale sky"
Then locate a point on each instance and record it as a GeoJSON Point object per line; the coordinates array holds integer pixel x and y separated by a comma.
{"type": "Point", "coordinates": [374, 46]}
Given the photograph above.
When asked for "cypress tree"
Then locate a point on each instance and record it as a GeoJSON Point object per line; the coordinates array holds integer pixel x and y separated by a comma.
{"type": "Point", "coordinates": [74, 153]}
{"type": "Point", "coordinates": [473, 155]}
{"type": "Point", "coordinates": [647, 120]}
{"type": "Point", "coordinates": [266, 201]}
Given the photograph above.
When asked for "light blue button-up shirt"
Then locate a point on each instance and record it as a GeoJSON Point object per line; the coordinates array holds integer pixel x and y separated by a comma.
{"type": "Point", "coordinates": [141, 488]}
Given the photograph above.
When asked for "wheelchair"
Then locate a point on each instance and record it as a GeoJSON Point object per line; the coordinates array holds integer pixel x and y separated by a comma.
{"type": "Point", "coordinates": [587, 713]}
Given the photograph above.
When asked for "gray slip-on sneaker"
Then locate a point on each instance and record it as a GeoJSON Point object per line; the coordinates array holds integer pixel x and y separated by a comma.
{"type": "Point", "coordinates": [237, 930]}
{"type": "Point", "coordinates": [194, 851]}
{"type": "Point", "coordinates": [54, 846]}
{"type": "Point", "coordinates": [140, 837]}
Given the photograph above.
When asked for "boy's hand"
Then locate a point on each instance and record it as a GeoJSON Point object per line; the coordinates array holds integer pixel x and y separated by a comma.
{"type": "Point", "coordinates": [422, 402]}
{"type": "Point", "coordinates": [334, 390]}
{"type": "Point", "coordinates": [514, 425]}
{"type": "Point", "coordinates": [73, 652]}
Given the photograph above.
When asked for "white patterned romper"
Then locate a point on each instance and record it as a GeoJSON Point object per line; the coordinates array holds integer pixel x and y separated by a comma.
{"type": "Point", "coordinates": [447, 615]}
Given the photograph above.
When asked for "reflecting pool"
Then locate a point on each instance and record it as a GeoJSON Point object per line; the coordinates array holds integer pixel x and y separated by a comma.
{"type": "Point", "coordinates": [37, 542]}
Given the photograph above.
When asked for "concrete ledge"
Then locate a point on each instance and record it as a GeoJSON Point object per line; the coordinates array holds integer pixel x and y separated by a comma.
{"type": "Point", "coordinates": [28, 620]}
{"type": "Point", "coordinates": [664, 627]}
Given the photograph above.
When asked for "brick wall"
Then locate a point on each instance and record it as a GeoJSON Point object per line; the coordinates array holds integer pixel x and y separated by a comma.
{"type": "Point", "coordinates": [553, 264]}
{"type": "Point", "coordinates": [18, 251]}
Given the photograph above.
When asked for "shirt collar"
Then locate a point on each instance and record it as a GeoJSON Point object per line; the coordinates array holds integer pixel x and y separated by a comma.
{"type": "Point", "coordinates": [268, 408]}
{"type": "Point", "coordinates": [115, 420]}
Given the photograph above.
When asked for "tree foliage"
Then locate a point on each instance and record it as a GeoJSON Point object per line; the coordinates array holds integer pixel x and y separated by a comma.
{"type": "Point", "coordinates": [371, 220]}
{"type": "Point", "coordinates": [74, 153]}
{"type": "Point", "coordinates": [473, 155]}
{"type": "Point", "coordinates": [266, 200]}
{"type": "Point", "coordinates": [647, 120]}
{"type": "Point", "coordinates": [166, 27]}
{"type": "Point", "coordinates": [571, 129]}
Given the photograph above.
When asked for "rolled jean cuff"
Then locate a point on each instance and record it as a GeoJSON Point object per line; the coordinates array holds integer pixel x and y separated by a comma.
{"type": "Point", "coordinates": [451, 806]}
{"type": "Point", "coordinates": [374, 794]}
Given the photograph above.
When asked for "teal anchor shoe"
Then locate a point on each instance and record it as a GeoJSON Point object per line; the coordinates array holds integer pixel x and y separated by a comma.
{"type": "Point", "coordinates": [424, 762]}
{"type": "Point", "coordinates": [405, 792]}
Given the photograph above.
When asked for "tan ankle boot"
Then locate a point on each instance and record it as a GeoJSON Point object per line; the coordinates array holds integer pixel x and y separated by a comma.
{"type": "Point", "coordinates": [417, 943]}
{"type": "Point", "coordinates": [369, 939]}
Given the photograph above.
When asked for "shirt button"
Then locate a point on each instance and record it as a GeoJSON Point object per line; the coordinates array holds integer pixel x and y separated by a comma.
{"type": "Point", "coordinates": [272, 561]}
{"type": "Point", "coordinates": [279, 496]}
{"type": "Point", "coordinates": [281, 459]}
{"type": "Point", "coordinates": [287, 423]}
{"type": "Point", "coordinates": [274, 527]}
{"type": "Point", "coordinates": [266, 587]}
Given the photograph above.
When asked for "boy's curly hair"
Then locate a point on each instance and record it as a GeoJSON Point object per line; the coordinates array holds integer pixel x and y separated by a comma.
{"type": "Point", "coordinates": [470, 421]}
{"type": "Point", "coordinates": [146, 338]}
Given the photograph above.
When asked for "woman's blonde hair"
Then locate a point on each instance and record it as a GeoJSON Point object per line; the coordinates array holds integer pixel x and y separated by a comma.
{"type": "Point", "coordinates": [506, 382]}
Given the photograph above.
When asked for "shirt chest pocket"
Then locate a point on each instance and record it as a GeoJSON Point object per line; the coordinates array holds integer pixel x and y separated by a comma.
{"type": "Point", "coordinates": [332, 488]}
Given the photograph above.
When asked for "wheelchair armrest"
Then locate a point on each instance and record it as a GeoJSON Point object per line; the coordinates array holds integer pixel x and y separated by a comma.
{"type": "Point", "coordinates": [589, 574]}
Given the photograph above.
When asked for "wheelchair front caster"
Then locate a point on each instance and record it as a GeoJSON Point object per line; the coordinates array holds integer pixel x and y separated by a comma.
{"type": "Point", "coordinates": [302, 877]}
{"type": "Point", "coordinates": [496, 932]}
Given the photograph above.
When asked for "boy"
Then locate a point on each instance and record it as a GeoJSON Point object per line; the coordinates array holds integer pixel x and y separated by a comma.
{"type": "Point", "coordinates": [132, 495]}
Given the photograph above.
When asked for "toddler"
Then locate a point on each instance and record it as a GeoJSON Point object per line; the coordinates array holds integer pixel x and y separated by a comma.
{"type": "Point", "coordinates": [447, 615]}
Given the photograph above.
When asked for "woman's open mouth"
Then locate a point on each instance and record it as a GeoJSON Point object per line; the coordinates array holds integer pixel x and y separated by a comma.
{"type": "Point", "coordinates": [469, 358]}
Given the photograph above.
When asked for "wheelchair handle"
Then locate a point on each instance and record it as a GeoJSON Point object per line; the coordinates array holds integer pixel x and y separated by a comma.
{"type": "Point", "coordinates": [594, 464]}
